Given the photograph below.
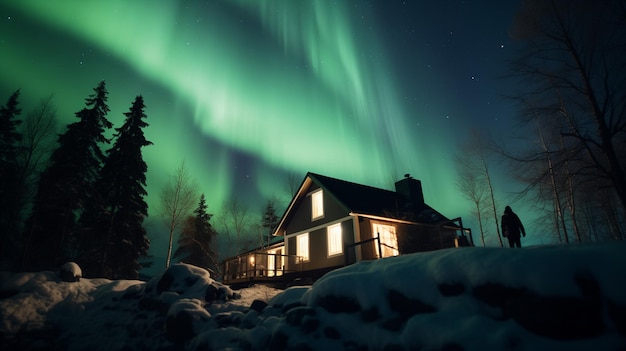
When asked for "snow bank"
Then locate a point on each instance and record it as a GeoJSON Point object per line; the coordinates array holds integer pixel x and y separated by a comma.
{"type": "Point", "coordinates": [554, 297]}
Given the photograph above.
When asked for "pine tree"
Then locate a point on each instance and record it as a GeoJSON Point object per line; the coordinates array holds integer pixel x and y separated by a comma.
{"type": "Point", "coordinates": [114, 237]}
{"type": "Point", "coordinates": [66, 185]}
{"type": "Point", "coordinates": [196, 239]}
{"type": "Point", "coordinates": [270, 222]}
{"type": "Point", "coordinates": [9, 178]}
{"type": "Point", "coordinates": [8, 129]}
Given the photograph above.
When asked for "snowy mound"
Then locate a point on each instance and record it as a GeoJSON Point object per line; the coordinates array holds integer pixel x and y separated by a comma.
{"type": "Point", "coordinates": [38, 310]}
{"type": "Point", "coordinates": [184, 281]}
{"type": "Point", "coordinates": [553, 298]}
{"type": "Point", "coordinates": [70, 272]}
{"type": "Point", "coordinates": [510, 298]}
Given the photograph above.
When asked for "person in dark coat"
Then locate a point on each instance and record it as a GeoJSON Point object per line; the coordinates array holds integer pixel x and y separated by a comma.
{"type": "Point", "coordinates": [511, 227]}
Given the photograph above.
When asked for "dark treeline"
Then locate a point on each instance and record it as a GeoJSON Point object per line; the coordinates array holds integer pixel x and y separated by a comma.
{"type": "Point", "coordinates": [201, 242]}
{"type": "Point", "coordinates": [86, 204]}
{"type": "Point", "coordinates": [574, 74]}
{"type": "Point", "coordinates": [572, 97]}
{"type": "Point", "coordinates": [79, 196]}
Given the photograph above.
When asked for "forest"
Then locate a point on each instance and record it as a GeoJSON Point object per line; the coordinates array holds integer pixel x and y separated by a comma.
{"type": "Point", "coordinates": [80, 195]}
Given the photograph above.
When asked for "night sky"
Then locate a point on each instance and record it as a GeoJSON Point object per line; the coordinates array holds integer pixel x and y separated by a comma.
{"type": "Point", "coordinates": [247, 92]}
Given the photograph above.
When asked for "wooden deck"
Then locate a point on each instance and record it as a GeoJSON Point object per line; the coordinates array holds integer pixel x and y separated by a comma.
{"type": "Point", "coordinates": [281, 281]}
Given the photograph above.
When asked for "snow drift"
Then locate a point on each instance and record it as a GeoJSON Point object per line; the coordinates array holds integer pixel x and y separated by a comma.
{"type": "Point", "coordinates": [553, 297]}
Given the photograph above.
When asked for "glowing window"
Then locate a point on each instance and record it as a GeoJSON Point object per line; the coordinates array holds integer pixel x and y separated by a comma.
{"type": "Point", "coordinates": [275, 262]}
{"type": "Point", "coordinates": [335, 242]}
{"type": "Point", "coordinates": [271, 262]}
{"type": "Point", "coordinates": [317, 205]}
{"type": "Point", "coordinates": [388, 239]}
{"type": "Point", "coordinates": [302, 246]}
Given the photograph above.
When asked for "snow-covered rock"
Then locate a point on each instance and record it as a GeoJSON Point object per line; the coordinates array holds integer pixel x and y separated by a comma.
{"type": "Point", "coordinates": [185, 318]}
{"type": "Point", "coordinates": [70, 272]}
{"type": "Point", "coordinates": [184, 281]}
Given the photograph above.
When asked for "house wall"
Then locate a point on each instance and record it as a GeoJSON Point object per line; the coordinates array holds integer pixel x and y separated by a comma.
{"type": "Point", "coordinates": [411, 238]}
{"type": "Point", "coordinates": [301, 222]}
{"type": "Point", "coordinates": [420, 238]}
{"type": "Point", "coordinates": [368, 250]}
{"type": "Point", "coordinates": [301, 218]}
{"type": "Point", "coordinates": [318, 247]}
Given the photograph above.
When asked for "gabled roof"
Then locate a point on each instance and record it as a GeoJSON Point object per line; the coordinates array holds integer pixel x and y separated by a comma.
{"type": "Point", "coordinates": [364, 200]}
{"type": "Point", "coordinates": [356, 197]}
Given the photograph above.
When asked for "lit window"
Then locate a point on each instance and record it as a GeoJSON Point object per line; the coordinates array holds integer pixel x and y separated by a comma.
{"type": "Point", "coordinates": [302, 247]}
{"type": "Point", "coordinates": [271, 262]}
{"type": "Point", "coordinates": [335, 242]}
{"type": "Point", "coordinates": [275, 262]}
{"type": "Point", "coordinates": [317, 204]}
{"type": "Point", "coordinates": [388, 239]}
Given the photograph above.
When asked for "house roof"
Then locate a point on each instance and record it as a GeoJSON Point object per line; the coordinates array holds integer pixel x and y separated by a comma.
{"type": "Point", "coordinates": [364, 200]}
{"type": "Point", "coordinates": [356, 197]}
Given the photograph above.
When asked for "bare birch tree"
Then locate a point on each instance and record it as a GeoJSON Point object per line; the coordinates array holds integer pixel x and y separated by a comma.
{"type": "Point", "coordinates": [474, 190]}
{"type": "Point", "coordinates": [38, 135]}
{"type": "Point", "coordinates": [38, 131]}
{"type": "Point", "coordinates": [293, 181]}
{"type": "Point", "coordinates": [177, 201]}
{"type": "Point", "coordinates": [236, 228]}
{"type": "Point", "coordinates": [38, 139]}
{"type": "Point", "coordinates": [574, 65]}
{"type": "Point", "coordinates": [550, 174]}
{"type": "Point", "coordinates": [475, 162]}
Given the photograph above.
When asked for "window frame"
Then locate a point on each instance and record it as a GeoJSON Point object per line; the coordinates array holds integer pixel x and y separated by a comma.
{"type": "Point", "coordinates": [306, 256]}
{"type": "Point", "coordinates": [317, 204]}
{"type": "Point", "coordinates": [330, 239]}
{"type": "Point", "coordinates": [383, 239]}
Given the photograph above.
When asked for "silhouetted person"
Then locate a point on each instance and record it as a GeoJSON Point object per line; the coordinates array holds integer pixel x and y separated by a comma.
{"type": "Point", "coordinates": [511, 227]}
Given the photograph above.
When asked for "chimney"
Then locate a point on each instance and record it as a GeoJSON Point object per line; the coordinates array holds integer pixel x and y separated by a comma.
{"type": "Point", "coordinates": [409, 191]}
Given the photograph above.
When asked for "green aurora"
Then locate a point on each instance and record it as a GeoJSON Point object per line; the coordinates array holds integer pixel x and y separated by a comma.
{"type": "Point", "coordinates": [247, 92]}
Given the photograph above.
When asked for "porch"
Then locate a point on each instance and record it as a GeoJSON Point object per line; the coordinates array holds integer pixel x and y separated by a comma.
{"type": "Point", "coordinates": [260, 266]}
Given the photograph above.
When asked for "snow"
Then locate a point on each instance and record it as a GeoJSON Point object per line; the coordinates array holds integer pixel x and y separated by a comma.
{"type": "Point", "coordinates": [537, 298]}
{"type": "Point", "coordinates": [70, 272]}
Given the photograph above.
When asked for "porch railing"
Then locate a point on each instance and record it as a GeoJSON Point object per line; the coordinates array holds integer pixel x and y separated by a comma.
{"type": "Point", "coordinates": [350, 252]}
{"type": "Point", "coordinates": [256, 265]}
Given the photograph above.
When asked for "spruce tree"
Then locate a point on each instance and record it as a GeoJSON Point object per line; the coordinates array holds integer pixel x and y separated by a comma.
{"type": "Point", "coordinates": [114, 236]}
{"type": "Point", "coordinates": [66, 185]}
{"type": "Point", "coordinates": [195, 244]}
{"type": "Point", "coordinates": [9, 178]}
{"type": "Point", "coordinates": [269, 222]}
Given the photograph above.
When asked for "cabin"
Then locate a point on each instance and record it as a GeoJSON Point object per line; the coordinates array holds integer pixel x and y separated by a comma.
{"type": "Point", "coordinates": [331, 223]}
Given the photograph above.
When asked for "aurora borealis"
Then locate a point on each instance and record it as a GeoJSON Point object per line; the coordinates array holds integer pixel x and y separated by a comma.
{"type": "Point", "coordinates": [247, 92]}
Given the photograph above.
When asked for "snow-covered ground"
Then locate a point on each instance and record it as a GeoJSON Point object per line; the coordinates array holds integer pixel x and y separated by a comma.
{"type": "Point", "coordinates": [538, 298]}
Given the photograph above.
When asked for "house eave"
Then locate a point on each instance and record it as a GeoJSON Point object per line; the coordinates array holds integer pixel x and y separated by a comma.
{"type": "Point", "coordinates": [381, 218]}
{"type": "Point", "coordinates": [448, 224]}
{"type": "Point", "coordinates": [305, 183]}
